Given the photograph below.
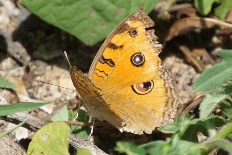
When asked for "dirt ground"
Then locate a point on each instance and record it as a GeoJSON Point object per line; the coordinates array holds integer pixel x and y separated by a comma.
{"type": "Point", "coordinates": [31, 51]}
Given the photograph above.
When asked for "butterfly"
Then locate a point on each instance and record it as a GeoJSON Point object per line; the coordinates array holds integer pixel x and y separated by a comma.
{"type": "Point", "coordinates": [127, 85]}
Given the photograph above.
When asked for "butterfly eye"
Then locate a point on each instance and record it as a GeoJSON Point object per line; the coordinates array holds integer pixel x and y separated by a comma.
{"type": "Point", "coordinates": [133, 33]}
{"type": "Point", "coordinates": [143, 88]}
{"type": "Point", "coordinates": [137, 59]}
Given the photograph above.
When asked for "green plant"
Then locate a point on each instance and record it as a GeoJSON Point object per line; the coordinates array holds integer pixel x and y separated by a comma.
{"type": "Point", "coordinates": [206, 6]}
{"type": "Point", "coordinates": [218, 129]}
{"type": "Point", "coordinates": [184, 138]}
{"type": "Point", "coordinates": [11, 130]}
{"type": "Point", "coordinates": [217, 82]}
{"type": "Point", "coordinates": [8, 109]}
{"type": "Point", "coordinates": [89, 21]}
{"type": "Point", "coordinates": [6, 84]}
{"type": "Point", "coordinates": [50, 139]}
{"type": "Point", "coordinates": [65, 114]}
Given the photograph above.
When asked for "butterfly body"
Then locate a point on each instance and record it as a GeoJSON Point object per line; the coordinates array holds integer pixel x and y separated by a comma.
{"type": "Point", "coordinates": [127, 85]}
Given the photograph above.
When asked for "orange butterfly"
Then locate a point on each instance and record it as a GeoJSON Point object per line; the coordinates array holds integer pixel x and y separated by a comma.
{"type": "Point", "coordinates": [127, 85]}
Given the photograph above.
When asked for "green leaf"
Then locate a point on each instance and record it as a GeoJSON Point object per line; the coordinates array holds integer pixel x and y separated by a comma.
{"type": "Point", "coordinates": [230, 136]}
{"type": "Point", "coordinates": [226, 107]}
{"type": "Point", "coordinates": [167, 147]}
{"type": "Point", "coordinates": [157, 147]}
{"type": "Point", "coordinates": [68, 115]}
{"type": "Point", "coordinates": [169, 128]}
{"type": "Point", "coordinates": [83, 151]}
{"type": "Point", "coordinates": [224, 132]}
{"type": "Point", "coordinates": [61, 115]}
{"type": "Point", "coordinates": [214, 97]}
{"type": "Point", "coordinates": [219, 140]}
{"type": "Point", "coordinates": [129, 148]}
{"type": "Point", "coordinates": [89, 21]}
{"type": "Point", "coordinates": [185, 139]}
{"type": "Point", "coordinates": [209, 103]}
{"type": "Point", "coordinates": [5, 84]}
{"type": "Point", "coordinates": [187, 148]}
{"type": "Point", "coordinates": [179, 125]}
{"type": "Point", "coordinates": [51, 139]}
{"type": "Point", "coordinates": [222, 10]}
{"type": "Point", "coordinates": [205, 7]}
{"type": "Point", "coordinates": [221, 143]}
{"type": "Point", "coordinates": [19, 107]}
{"type": "Point", "coordinates": [206, 126]}
{"type": "Point", "coordinates": [216, 75]}
{"type": "Point", "coordinates": [81, 131]}
{"type": "Point", "coordinates": [226, 55]}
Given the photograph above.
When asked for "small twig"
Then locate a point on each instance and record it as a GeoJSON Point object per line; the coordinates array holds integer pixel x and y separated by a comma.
{"type": "Point", "coordinates": [179, 7]}
{"type": "Point", "coordinates": [9, 146]}
{"type": "Point", "coordinates": [33, 121]}
{"type": "Point", "coordinates": [75, 141]}
{"type": "Point", "coordinates": [193, 104]}
{"type": "Point", "coordinates": [78, 142]}
{"type": "Point", "coordinates": [186, 51]}
{"type": "Point", "coordinates": [184, 25]}
{"type": "Point", "coordinates": [88, 124]}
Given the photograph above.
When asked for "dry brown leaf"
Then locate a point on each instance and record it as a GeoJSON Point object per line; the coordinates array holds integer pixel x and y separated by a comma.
{"type": "Point", "coordinates": [185, 25]}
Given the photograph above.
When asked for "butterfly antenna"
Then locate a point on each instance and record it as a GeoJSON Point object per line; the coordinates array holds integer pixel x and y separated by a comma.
{"type": "Point", "coordinates": [56, 85]}
{"type": "Point", "coordinates": [65, 53]}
